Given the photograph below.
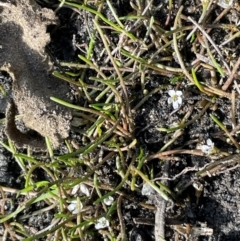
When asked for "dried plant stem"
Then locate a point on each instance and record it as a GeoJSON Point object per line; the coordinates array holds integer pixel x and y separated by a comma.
{"type": "Point", "coordinates": [223, 127]}
{"type": "Point", "coordinates": [231, 76]}
{"type": "Point", "coordinates": [211, 41]}
{"type": "Point", "coordinates": [161, 205]}
{"type": "Point", "coordinates": [126, 110]}
{"type": "Point", "coordinates": [121, 219]}
{"type": "Point", "coordinates": [176, 46]}
{"type": "Point", "coordinates": [16, 191]}
{"type": "Point", "coordinates": [233, 110]}
{"type": "Point", "coordinates": [172, 152]}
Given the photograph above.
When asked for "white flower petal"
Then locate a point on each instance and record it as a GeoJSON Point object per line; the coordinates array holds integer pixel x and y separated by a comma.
{"type": "Point", "coordinates": [172, 93]}
{"type": "Point", "coordinates": [71, 207]}
{"type": "Point", "coordinates": [179, 100]}
{"type": "Point", "coordinates": [75, 189]}
{"type": "Point", "coordinates": [178, 93]}
{"type": "Point", "coordinates": [175, 105]}
{"type": "Point", "coordinates": [170, 100]}
{"type": "Point", "coordinates": [205, 149]}
{"type": "Point", "coordinates": [84, 189]}
{"type": "Point", "coordinates": [74, 208]}
{"type": "Point", "coordinates": [108, 201]}
{"type": "Point", "coordinates": [102, 223]}
{"type": "Point", "coordinates": [225, 3]}
{"type": "Point", "coordinates": [147, 190]}
{"type": "Point", "coordinates": [76, 211]}
{"type": "Point", "coordinates": [210, 143]}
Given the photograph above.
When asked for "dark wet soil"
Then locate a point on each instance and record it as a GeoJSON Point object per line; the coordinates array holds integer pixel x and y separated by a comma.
{"type": "Point", "coordinates": [218, 205]}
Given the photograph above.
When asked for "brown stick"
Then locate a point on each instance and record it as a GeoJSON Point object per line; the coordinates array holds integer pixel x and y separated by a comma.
{"type": "Point", "coordinates": [231, 76]}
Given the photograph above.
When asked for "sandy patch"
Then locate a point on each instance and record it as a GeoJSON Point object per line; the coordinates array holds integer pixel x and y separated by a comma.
{"type": "Point", "coordinates": [23, 39]}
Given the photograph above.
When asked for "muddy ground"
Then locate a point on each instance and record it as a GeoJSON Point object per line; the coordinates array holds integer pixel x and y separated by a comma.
{"type": "Point", "coordinates": [217, 206]}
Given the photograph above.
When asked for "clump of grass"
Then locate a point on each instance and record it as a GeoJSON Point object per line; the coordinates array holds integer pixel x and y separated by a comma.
{"type": "Point", "coordinates": [144, 50]}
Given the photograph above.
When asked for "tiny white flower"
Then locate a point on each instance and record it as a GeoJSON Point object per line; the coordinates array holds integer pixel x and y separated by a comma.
{"type": "Point", "coordinates": [207, 149]}
{"type": "Point", "coordinates": [147, 190]}
{"type": "Point", "coordinates": [225, 3]}
{"type": "Point", "coordinates": [175, 98]}
{"type": "Point", "coordinates": [75, 189]}
{"type": "Point", "coordinates": [102, 223]}
{"type": "Point", "coordinates": [84, 189]}
{"type": "Point", "coordinates": [73, 207]}
{"type": "Point", "coordinates": [108, 200]}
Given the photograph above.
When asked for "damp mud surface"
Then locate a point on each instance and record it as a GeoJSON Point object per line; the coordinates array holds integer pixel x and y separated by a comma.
{"type": "Point", "coordinates": [206, 187]}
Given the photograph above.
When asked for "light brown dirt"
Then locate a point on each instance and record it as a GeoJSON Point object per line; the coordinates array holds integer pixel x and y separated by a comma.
{"type": "Point", "coordinates": [23, 39]}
